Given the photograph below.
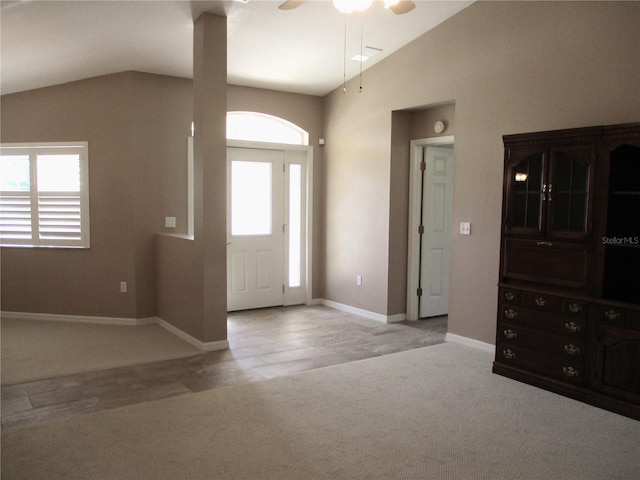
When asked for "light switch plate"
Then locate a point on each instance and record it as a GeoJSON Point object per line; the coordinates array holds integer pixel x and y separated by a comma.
{"type": "Point", "coordinates": [465, 228]}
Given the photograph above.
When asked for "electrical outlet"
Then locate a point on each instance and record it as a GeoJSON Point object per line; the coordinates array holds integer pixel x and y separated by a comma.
{"type": "Point", "coordinates": [465, 228]}
{"type": "Point", "coordinates": [170, 222]}
{"type": "Point", "coordinates": [123, 287]}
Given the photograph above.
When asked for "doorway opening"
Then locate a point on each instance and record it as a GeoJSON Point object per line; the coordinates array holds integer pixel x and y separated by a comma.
{"type": "Point", "coordinates": [430, 202]}
{"type": "Point", "coordinates": [269, 205]}
{"type": "Point", "coordinates": [268, 225]}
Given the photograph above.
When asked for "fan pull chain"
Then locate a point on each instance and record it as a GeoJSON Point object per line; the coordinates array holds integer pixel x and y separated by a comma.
{"type": "Point", "coordinates": [344, 80]}
{"type": "Point", "coordinates": [361, 44]}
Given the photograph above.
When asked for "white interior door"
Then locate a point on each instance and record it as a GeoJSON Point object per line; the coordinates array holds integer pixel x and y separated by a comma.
{"type": "Point", "coordinates": [436, 218]}
{"type": "Point", "coordinates": [255, 237]}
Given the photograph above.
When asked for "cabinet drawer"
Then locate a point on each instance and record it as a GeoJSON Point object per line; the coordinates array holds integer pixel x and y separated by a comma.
{"type": "Point", "coordinates": [575, 308]}
{"type": "Point", "coordinates": [569, 348]}
{"type": "Point", "coordinates": [619, 317]}
{"type": "Point", "coordinates": [569, 327]}
{"type": "Point", "coordinates": [554, 304]}
{"type": "Point", "coordinates": [612, 316]}
{"type": "Point", "coordinates": [552, 263]}
{"type": "Point", "coordinates": [540, 363]}
{"type": "Point", "coordinates": [546, 303]}
{"type": "Point", "coordinates": [510, 296]}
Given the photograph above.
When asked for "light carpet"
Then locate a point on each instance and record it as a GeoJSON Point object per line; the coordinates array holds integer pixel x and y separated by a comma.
{"type": "Point", "coordinates": [37, 349]}
{"type": "Point", "coordinates": [431, 413]}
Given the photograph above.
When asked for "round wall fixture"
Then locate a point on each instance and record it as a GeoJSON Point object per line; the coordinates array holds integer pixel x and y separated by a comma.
{"type": "Point", "coordinates": [439, 126]}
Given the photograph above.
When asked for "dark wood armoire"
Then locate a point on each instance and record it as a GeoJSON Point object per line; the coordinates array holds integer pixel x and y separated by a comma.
{"type": "Point", "coordinates": [569, 288]}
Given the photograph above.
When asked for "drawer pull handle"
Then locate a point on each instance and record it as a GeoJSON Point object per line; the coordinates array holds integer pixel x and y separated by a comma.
{"type": "Point", "coordinates": [572, 327]}
{"type": "Point", "coordinates": [575, 308]}
{"type": "Point", "coordinates": [510, 334]}
{"type": "Point", "coordinates": [544, 244]}
{"type": "Point", "coordinates": [611, 314]}
{"type": "Point", "coordinates": [541, 302]}
{"type": "Point", "coordinates": [572, 349]}
{"type": "Point", "coordinates": [570, 372]}
{"type": "Point", "coordinates": [511, 314]}
{"type": "Point", "coordinates": [509, 354]}
{"type": "Point", "coordinates": [509, 296]}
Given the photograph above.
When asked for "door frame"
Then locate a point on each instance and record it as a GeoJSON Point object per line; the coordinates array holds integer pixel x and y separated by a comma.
{"type": "Point", "coordinates": [415, 199]}
{"type": "Point", "coordinates": [308, 257]}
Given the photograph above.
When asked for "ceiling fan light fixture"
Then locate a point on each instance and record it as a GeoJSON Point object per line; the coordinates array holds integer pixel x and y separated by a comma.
{"type": "Point", "coordinates": [349, 6]}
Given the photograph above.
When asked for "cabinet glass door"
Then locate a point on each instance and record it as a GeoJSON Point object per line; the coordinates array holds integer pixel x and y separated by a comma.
{"type": "Point", "coordinates": [525, 202]}
{"type": "Point", "coordinates": [567, 196]}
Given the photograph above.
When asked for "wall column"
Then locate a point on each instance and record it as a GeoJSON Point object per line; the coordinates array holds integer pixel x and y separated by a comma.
{"type": "Point", "coordinates": [210, 167]}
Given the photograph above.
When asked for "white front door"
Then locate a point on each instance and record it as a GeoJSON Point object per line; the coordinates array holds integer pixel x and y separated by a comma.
{"type": "Point", "coordinates": [436, 219]}
{"type": "Point", "coordinates": [255, 265]}
{"type": "Point", "coordinates": [267, 227]}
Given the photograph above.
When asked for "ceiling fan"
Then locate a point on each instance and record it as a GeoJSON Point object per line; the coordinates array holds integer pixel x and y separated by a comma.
{"type": "Point", "coordinates": [347, 6]}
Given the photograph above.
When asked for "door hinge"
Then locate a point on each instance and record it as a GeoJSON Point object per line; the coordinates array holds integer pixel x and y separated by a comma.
{"type": "Point", "coordinates": [283, 288]}
{"type": "Point", "coordinates": [419, 292]}
{"type": "Point", "coordinates": [421, 229]}
{"type": "Point", "coordinates": [423, 165]}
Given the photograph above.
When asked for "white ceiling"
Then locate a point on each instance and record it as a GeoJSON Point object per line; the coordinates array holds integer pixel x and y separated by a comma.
{"type": "Point", "coordinates": [302, 50]}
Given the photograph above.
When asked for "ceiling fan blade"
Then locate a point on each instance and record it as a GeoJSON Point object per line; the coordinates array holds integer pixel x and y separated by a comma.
{"type": "Point", "coordinates": [290, 4]}
{"type": "Point", "coordinates": [403, 6]}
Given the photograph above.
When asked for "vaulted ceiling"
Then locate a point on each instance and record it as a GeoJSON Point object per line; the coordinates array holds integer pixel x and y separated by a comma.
{"type": "Point", "coordinates": [301, 50]}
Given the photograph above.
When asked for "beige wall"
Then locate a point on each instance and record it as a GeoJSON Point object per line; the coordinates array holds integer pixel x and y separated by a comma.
{"type": "Point", "coordinates": [422, 121]}
{"type": "Point", "coordinates": [121, 117]}
{"type": "Point", "coordinates": [509, 67]}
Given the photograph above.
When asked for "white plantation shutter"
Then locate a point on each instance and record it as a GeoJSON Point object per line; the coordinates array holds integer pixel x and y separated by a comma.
{"type": "Point", "coordinates": [59, 216]}
{"type": "Point", "coordinates": [15, 216]}
{"type": "Point", "coordinates": [49, 206]}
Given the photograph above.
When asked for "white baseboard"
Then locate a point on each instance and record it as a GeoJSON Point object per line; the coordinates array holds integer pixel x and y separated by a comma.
{"type": "Point", "coordinates": [470, 342]}
{"type": "Point", "coordinates": [360, 312]}
{"type": "Point", "coordinates": [207, 347]}
{"type": "Point", "coordinates": [398, 317]}
{"type": "Point", "coordinates": [50, 317]}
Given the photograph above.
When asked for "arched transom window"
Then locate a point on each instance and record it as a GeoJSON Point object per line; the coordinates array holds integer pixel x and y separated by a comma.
{"type": "Point", "coordinates": [260, 127]}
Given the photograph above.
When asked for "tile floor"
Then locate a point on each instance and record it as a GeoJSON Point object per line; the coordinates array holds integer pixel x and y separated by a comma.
{"type": "Point", "coordinates": [263, 344]}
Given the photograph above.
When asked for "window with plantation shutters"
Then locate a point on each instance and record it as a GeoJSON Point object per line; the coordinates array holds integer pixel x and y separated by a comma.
{"type": "Point", "coordinates": [44, 195]}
